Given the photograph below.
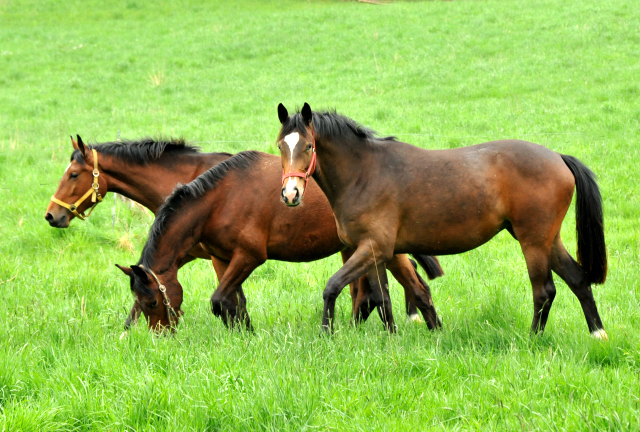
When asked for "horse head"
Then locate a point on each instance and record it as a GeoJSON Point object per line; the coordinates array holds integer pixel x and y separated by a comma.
{"type": "Point", "coordinates": [297, 146]}
{"type": "Point", "coordinates": [78, 183]}
{"type": "Point", "coordinates": [159, 301]}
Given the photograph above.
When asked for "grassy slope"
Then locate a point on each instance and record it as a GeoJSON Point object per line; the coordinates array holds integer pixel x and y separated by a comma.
{"type": "Point", "coordinates": [437, 74]}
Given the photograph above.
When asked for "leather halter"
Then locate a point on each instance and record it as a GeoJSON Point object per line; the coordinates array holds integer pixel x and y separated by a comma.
{"type": "Point", "coordinates": [93, 191]}
{"type": "Point", "coordinates": [171, 313]}
{"type": "Point", "coordinates": [309, 172]}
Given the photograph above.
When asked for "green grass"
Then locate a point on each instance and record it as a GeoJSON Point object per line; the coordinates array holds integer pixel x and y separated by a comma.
{"type": "Point", "coordinates": [436, 74]}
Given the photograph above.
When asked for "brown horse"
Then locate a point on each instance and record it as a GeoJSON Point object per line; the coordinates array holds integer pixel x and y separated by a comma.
{"type": "Point", "coordinates": [391, 197]}
{"type": "Point", "coordinates": [227, 211]}
{"type": "Point", "coordinates": [147, 171]}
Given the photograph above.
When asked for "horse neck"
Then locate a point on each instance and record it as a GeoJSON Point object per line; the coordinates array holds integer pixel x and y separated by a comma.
{"type": "Point", "coordinates": [150, 184]}
{"type": "Point", "coordinates": [179, 236]}
{"type": "Point", "coordinates": [337, 165]}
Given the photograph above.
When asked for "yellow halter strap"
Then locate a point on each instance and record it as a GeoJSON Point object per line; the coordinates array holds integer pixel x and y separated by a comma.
{"type": "Point", "coordinates": [93, 191]}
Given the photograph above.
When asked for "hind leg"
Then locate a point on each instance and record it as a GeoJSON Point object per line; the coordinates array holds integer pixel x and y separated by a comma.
{"type": "Point", "coordinates": [544, 290]}
{"type": "Point", "coordinates": [416, 289]}
{"type": "Point", "coordinates": [572, 273]}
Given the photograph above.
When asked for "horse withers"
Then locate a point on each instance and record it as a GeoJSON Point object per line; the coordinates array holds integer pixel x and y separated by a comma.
{"type": "Point", "coordinates": [391, 197]}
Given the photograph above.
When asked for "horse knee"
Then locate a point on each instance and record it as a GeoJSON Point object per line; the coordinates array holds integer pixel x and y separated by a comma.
{"type": "Point", "coordinates": [331, 291]}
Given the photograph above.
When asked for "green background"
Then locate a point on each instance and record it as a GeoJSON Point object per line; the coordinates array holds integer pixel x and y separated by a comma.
{"type": "Point", "coordinates": [437, 74]}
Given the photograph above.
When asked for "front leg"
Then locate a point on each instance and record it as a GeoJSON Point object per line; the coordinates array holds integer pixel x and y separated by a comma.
{"type": "Point", "coordinates": [356, 266]}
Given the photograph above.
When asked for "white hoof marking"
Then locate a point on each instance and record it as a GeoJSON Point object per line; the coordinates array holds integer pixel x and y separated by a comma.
{"type": "Point", "coordinates": [600, 335]}
{"type": "Point", "coordinates": [415, 318]}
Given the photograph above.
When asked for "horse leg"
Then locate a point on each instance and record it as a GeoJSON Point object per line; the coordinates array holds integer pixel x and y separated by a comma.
{"type": "Point", "coordinates": [359, 289]}
{"type": "Point", "coordinates": [377, 277]}
{"type": "Point", "coordinates": [220, 268]}
{"type": "Point", "coordinates": [356, 266]}
{"type": "Point", "coordinates": [573, 274]}
{"type": "Point", "coordinates": [417, 292]}
{"type": "Point", "coordinates": [363, 304]}
{"type": "Point", "coordinates": [544, 290]}
{"type": "Point", "coordinates": [226, 301]}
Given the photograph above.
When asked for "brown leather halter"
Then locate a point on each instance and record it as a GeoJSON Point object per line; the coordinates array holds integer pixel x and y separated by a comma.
{"type": "Point", "coordinates": [171, 313]}
{"type": "Point", "coordinates": [309, 172]}
{"type": "Point", "coordinates": [93, 191]}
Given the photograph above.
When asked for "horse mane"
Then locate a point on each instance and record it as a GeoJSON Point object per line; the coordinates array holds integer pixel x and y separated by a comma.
{"type": "Point", "coordinates": [184, 194]}
{"type": "Point", "coordinates": [139, 152]}
{"type": "Point", "coordinates": [330, 124]}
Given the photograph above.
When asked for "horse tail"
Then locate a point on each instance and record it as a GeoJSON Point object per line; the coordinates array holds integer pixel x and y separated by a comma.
{"type": "Point", "coordinates": [430, 264]}
{"type": "Point", "coordinates": [592, 251]}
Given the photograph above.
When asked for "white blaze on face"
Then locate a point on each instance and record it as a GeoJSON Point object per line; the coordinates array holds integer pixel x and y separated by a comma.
{"type": "Point", "coordinates": [291, 140]}
{"type": "Point", "coordinates": [67, 169]}
{"type": "Point", "coordinates": [290, 186]}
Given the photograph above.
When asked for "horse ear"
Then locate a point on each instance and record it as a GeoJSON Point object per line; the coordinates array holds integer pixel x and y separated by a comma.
{"type": "Point", "coordinates": [140, 273]}
{"type": "Point", "coordinates": [283, 114]}
{"type": "Point", "coordinates": [306, 113]}
{"type": "Point", "coordinates": [79, 145]}
{"type": "Point", "coordinates": [125, 270]}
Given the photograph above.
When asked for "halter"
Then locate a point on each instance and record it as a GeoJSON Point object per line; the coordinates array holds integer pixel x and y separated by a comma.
{"type": "Point", "coordinates": [93, 191]}
{"type": "Point", "coordinates": [171, 313]}
{"type": "Point", "coordinates": [309, 172]}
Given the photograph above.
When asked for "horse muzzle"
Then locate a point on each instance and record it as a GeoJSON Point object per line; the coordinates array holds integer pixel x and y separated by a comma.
{"type": "Point", "coordinates": [291, 196]}
{"type": "Point", "coordinates": [61, 221]}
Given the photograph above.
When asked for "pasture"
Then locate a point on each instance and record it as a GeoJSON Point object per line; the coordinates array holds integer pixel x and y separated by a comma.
{"type": "Point", "coordinates": [563, 74]}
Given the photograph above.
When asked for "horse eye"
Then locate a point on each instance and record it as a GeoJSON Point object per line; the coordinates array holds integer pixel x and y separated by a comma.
{"type": "Point", "coordinates": [73, 176]}
{"type": "Point", "coordinates": [309, 147]}
{"type": "Point", "coordinates": [153, 304]}
{"type": "Point", "coordinates": [279, 147]}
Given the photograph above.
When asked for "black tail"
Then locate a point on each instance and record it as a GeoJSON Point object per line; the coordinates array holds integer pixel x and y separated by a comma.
{"type": "Point", "coordinates": [592, 251]}
{"type": "Point", "coordinates": [430, 264]}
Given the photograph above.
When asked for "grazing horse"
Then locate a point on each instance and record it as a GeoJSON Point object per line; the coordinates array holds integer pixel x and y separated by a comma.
{"type": "Point", "coordinates": [147, 171]}
{"type": "Point", "coordinates": [227, 211]}
{"type": "Point", "coordinates": [391, 197]}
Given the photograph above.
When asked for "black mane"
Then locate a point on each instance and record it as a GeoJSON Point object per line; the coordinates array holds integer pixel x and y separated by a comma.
{"type": "Point", "coordinates": [183, 194]}
{"type": "Point", "coordinates": [138, 152]}
{"type": "Point", "coordinates": [330, 124]}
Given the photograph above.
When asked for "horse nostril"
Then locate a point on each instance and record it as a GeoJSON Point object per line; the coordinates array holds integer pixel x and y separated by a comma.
{"type": "Point", "coordinates": [284, 197]}
{"type": "Point", "coordinates": [48, 217]}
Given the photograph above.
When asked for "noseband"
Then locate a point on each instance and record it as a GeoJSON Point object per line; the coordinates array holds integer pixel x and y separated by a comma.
{"type": "Point", "coordinates": [93, 191]}
{"type": "Point", "coordinates": [171, 313]}
{"type": "Point", "coordinates": [309, 172]}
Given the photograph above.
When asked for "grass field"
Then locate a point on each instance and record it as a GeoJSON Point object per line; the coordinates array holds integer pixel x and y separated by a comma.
{"type": "Point", "coordinates": [437, 74]}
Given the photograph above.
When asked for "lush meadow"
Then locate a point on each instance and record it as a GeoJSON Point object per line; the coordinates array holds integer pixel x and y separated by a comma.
{"type": "Point", "coordinates": [437, 74]}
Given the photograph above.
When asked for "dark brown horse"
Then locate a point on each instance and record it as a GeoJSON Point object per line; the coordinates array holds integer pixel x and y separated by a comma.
{"type": "Point", "coordinates": [147, 171]}
{"type": "Point", "coordinates": [390, 197]}
{"type": "Point", "coordinates": [228, 212]}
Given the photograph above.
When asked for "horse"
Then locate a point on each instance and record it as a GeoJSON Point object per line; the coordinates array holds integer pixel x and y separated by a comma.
{"type": "Point", "coordinates": [391, 197]}
{"type": "Point", "coordinates": [147, 171]}
{"type": "Point", "coordinates": [228, 212]}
